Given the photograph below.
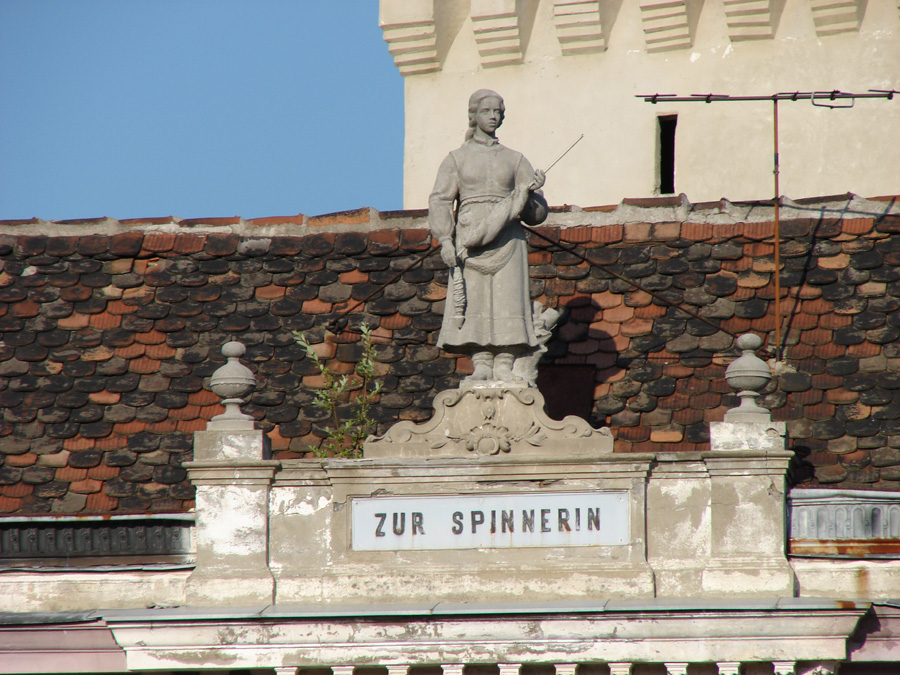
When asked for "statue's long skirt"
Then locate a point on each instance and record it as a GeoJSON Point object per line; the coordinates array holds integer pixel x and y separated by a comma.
{"type": "Point", "coordinates": [498, 304]}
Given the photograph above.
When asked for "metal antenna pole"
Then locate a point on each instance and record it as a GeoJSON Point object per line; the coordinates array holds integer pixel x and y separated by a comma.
{"type": "Point", "coordinates": [777, 237]}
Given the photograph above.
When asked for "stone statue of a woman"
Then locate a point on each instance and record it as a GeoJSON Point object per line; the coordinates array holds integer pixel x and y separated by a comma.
{"type": "Point", "coordinates": [482, 195]}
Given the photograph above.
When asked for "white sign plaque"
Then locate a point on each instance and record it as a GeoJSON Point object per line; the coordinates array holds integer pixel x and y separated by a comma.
{"type": "Point", "coordinates": [490, 521]}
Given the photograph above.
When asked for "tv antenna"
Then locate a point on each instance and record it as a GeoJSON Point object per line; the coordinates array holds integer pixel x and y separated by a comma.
{"type": "Point", "coordinates": [834, 99]}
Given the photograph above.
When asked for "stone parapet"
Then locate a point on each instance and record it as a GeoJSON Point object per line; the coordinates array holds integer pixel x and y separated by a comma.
{"type": "Point", "coordinates": [224, 445]}
{"type": "Point", "coordinates": [716, 524]}
{"type": "Point", "coordinates": [327, 532]}
{"type": "Point", "coordinates": [463, 527]}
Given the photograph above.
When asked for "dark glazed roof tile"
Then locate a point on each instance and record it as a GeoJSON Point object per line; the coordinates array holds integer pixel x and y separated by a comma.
{"type": "Point", "coordinates": [221, 244]}
{"type": "Point", "coordinates": [126, 245]}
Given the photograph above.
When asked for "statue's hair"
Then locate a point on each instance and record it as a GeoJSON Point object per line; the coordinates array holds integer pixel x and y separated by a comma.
{"type": "Point", "coordinates": [475, 101]}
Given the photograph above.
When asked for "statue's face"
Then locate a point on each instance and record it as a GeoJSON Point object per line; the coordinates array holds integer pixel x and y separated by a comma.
{"type": "Point", "coordinates": [489, 115]}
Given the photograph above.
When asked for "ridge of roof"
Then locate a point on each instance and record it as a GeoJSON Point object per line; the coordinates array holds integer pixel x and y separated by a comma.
{"type": "Point", "coordinates": [629, 210]}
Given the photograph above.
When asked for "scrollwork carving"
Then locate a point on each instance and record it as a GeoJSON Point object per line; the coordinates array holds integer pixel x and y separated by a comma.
{"type": "Point", "coordinates": [491, 422]}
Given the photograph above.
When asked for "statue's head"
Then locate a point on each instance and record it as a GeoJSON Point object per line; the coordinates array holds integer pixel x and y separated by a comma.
{"type": "Point", "coordinates": [475, 100]}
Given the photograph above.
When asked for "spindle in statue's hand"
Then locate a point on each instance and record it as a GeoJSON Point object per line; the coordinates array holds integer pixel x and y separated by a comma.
{"type": "Point", "coordinates": [538, 182]}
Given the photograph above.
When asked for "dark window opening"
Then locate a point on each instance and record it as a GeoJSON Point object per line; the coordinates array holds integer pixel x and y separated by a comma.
{"type": "Point", "coordinates": [667, 154]}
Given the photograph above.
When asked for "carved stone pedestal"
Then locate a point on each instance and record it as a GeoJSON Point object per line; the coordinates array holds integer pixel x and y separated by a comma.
{"type": "Point", "coordinates": [491, 420]}
{"type": "Point", "coordinates": [490, 500]}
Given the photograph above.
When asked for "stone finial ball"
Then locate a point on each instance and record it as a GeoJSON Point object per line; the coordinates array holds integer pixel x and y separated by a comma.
{"type": "Point", "coordinates": [233, 350]}
{"type": "Point", "coordinates": [748, 341]}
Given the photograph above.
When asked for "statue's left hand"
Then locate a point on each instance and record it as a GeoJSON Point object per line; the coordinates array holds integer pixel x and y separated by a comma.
{"type": "Point", "coordinates": [538, 182]}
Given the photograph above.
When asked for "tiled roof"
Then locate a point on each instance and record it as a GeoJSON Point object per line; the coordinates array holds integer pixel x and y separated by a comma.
{"type": "Point", "coordinates": [109, 339]}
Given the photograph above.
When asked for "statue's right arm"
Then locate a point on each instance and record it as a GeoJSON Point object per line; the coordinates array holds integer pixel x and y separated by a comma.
{"type": "Point", "coordinates": [440, 208]}
{"type": "Point", "coordinates": [535, 209]}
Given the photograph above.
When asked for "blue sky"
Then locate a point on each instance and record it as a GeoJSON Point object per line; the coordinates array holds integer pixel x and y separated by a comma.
{"type": "Point", "coordinates": [193, 108]}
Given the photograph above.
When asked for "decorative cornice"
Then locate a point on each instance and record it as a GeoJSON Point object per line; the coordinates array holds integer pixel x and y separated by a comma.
{"type": "Point", "coordinates": [835, 16]}
{"type": "Point", "coordinates": [578, 26]}
{"type": "Point", "coordinates": [413, 29]}
{"type": "Point", "coordinates": [408, 28]}
{"type": "Point", "coordinates": [665, 25]}
{"type": "Point", "coordinates": [496, 27]}
{"type": "Point", "coordinates": [810, 633]}
{"type": "Point", "coordinates": [749, 19]}
{"type": "Point", "coordinates": [223, 472]}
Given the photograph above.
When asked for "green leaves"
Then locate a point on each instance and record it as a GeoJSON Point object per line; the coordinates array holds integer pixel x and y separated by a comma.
{"type": "Point", "coordinates": [347, 399]}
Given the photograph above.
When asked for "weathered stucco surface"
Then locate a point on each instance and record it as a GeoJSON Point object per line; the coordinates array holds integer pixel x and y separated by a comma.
{"type": "Point", "coordinates": [716, 527]}
{"type": "Point", "coordinates": [73, 589]}
{"type": "Point", "coordinates": [722, 149]}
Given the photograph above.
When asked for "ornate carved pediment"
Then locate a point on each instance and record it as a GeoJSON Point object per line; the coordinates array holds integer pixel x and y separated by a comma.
{"type": "Point", "coordinates": [490, 421]}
